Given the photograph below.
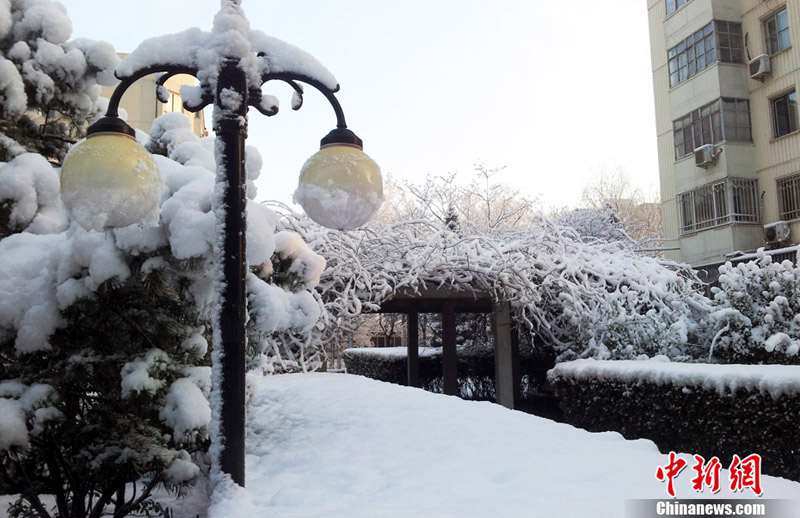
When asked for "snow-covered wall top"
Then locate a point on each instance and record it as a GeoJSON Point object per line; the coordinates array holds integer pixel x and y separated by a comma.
{"type": "Point", "coordinates": [231, 37]}
{"type": "Point", "coordinates": [394, 353]}
{"type": "Point", "coordinates": [775, 380]}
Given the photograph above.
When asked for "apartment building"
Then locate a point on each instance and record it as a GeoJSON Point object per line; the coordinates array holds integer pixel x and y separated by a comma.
{"type": "Point", "coordinates": [726, 75]}
{"type": "Point", "coordinates": [143, 107]}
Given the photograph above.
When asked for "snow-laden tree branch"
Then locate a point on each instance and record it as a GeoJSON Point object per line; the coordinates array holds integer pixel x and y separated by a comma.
{"type": "Point", "coordinates": [586, 299]}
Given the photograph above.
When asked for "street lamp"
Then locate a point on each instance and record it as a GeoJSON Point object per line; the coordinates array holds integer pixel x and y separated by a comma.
{"type": "Point", "coordinates": [340, 187]}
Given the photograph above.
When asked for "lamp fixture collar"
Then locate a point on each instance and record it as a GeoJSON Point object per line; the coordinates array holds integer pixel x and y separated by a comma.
{"type": "Point", "coordinates": [341, 136]}
{"type": "Point", "coordinates": [111, 124]}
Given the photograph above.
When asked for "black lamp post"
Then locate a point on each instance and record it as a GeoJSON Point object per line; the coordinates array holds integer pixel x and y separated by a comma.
{"type": "Point", "coordinates": [231, 88]}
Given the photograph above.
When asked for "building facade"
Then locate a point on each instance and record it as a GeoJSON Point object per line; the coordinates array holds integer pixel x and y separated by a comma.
{"type": "Point", "coordinates": [726, 75]}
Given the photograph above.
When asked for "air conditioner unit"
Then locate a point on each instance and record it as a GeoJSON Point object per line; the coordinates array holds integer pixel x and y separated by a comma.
{"type": "Point", "coordinates": [777, 234]}
{"type": "Point", "coordinates": [760, 67]}
{"type": "Point", "coordinates": [705, 156]}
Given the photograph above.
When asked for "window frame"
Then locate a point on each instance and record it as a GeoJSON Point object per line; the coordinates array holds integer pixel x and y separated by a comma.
{"type": "Point", "coordinates": [712, 123]}
{"type": "Point", "coordinates": [675, 4]}
{"type": "Point", "coordinates": [703, 48]}
{"type": "Point", "coordinates": [789, 117]}
{"type": "Point", "coordinates": [772, 42]}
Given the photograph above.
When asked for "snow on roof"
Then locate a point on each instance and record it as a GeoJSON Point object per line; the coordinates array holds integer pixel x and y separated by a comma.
{"type": "Point", "coordinates": [335, 445]}
{"type": "Point", "coordinates": [775, 380]}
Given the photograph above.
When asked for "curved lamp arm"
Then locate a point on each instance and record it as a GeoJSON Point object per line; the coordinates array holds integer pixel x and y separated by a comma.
{"type": "Point", "coordinates": [168, 71]}
{"type": "Point", "coordinates": [292, 79]}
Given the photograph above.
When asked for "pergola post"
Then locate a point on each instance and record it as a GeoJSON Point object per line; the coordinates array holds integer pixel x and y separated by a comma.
{"type": "Point", "coordinates": [449, 354]}
{"type": "Point", "coordinates": [413, 349]}
{"type": "Point", "coordinates": [506, 355]}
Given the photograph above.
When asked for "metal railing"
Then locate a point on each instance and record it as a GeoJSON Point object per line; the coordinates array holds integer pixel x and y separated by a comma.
{"type": "Point", "coordinates": [789, 197]}
{"type": "Point", "coordinates": [733, 200]}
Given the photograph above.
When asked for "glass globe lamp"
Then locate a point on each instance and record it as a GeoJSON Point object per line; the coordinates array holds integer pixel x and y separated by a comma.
{"type": "Point", "coordinates": [340, 187]}
{"type": "Point", "coordinates": [109, 181]}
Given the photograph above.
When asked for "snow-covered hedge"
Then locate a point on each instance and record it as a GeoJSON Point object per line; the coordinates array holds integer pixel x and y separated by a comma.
{"type": "Point", "coordinates": [756, 317]}
{"type": "Point", "coordinates": [711, 410]}
{"type": "Point", "coordinates": [475, 367]}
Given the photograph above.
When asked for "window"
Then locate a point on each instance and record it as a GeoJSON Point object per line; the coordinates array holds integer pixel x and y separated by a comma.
{"type": "Point", "coordinates": [730, 42]}
{"type": "Point", "coordinates": [784, 114]}
{"type": "Point", "coordinates": [736, 120]}
{"type": "Point", "coordinates": [789, 197]}
{"type": "Point", "coordinates": [706, 126]}
{"type": "Point", "coordinates": [717, 41]}
{"type": "Point", "coordinates": [691, 55]}
{"type": "Point", "coordinates": [776, 31]}
{"type": "Point", "coordinates": [733, 200]}
{"type": "Point", "coordinates": [672, 5]}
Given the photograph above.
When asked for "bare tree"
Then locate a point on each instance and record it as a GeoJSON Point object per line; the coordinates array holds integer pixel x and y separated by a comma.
{"type": "Point", "coordinates": [483, 204]}
{"type": "Point", "coordinates": [638, 213]}
{"type": "Point", "coordinates": [492, 205]}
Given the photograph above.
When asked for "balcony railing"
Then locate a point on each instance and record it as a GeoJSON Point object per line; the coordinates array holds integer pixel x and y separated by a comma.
{"type": "Point", "coordinates": [733, 200]}
{"type": "Point", "coordinates": [789, 197]}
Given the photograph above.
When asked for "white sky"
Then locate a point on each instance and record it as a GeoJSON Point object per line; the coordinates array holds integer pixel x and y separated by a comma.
{"type": "Point", "coordinates": [554, 91]}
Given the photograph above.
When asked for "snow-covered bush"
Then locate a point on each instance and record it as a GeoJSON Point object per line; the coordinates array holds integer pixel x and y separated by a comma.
{"type": "Point", "coordinates": [592, 299]}
{"type": "Point", "coordinates": [49, 85]}
{"type": "Point", "coordinates": [756, 317]}
{"type": "Point", "coordinates": [104, 336]}
{"type": "Point", "coordinates": [595, 224]}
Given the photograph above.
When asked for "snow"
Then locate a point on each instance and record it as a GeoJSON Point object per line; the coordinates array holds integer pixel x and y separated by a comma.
{"type": "Point", "coordinates": [181, 469]}
{"type": "Point", "coordinates": [334, 445]}
{"type": "Point", "coordinates": [136, 375]}
{"type": "Point", "coordinates": [33, 187]}
{"type": "Point", "coordinates": [274, 309]}
{"type": "Point", "coordinates": [305, 263]}
{"type": "Point", "coordinates": [231, 37]}
{"type": "Point", "coordinates": [775, 380]}
{"type": "Point", "coordinates": [13, 431]}
{"type": "Point", "coordinates": [394, 353]}
{"type": "Point", "coordinates": [40, 68]}
{"type": "Point", "coordinates": [17, 400]}
{"type": "Point", "coordinates": [13, 91]}
{"type": "Point", "coordinates": [185, 409]}
{"type": "Point", "coordinates": [26, 284]}
{"type": "Point", "coordinates": [336, 208]}
{"type": "Point", "coordinates": [5, 18]}
{"type": "Point", "coordinates": [585, 298]}
{"type": "Point", "coordinates": [45, 18]}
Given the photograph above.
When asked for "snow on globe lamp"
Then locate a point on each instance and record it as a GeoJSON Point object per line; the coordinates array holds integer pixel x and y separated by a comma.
{"type": "Point", "coordinates": [109, 181]}
{"type": "Point", "coordinates": [340, 187]}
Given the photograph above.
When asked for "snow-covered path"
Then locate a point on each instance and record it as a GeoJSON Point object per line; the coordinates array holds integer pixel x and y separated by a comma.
{"type": "Point", "coordinates": [334, 445]}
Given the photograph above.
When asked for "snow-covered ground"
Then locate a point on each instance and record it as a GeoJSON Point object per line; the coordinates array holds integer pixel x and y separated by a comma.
{"type": "Point", "coordinates": [335, 445]}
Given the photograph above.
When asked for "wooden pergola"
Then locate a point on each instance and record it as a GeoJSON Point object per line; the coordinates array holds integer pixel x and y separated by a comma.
{"type": "Point", "coordinates": [448, 303]}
